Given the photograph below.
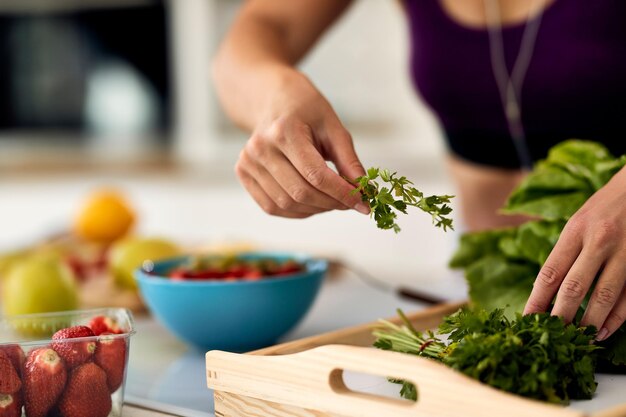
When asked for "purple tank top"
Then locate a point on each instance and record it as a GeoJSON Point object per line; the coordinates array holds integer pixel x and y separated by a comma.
{"type": "Point", "coordinates": [575, 86]}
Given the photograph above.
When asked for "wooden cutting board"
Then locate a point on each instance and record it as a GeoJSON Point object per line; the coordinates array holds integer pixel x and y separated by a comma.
{"type": "Point", "coordinates": [305, 378]}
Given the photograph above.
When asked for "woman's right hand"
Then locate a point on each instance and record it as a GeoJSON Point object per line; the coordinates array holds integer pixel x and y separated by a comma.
{"type": "Point", "coordinates": [283, 164]}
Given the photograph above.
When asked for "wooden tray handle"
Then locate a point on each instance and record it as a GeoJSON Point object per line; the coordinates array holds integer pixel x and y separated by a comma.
{"type": "Point", "coordinates": [312, 380]}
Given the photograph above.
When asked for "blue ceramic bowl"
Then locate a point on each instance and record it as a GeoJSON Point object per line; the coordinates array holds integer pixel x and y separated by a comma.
{"type": "Point", "coordinates": [235, 316]}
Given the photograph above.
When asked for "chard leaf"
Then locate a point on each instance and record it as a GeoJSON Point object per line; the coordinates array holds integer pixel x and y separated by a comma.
{"type": "Point", "coordinates": [606, 170]}
{"type": "Point", "coordinates": [496, 282]}
{"type": "Point", "coordinates": [575, 152]}
{"type": "Point", "coordinates": [559, 185]}
{"type": "Point", "coordinates": [551, 207]}
{"type": "Point", "coordinates": [536, 239]}
{"type": "Point", "coordinates": [474, 246]}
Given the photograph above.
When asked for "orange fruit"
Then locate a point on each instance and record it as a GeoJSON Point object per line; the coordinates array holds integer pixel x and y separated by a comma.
{"type": "Point", "coordinates": [105, 217]}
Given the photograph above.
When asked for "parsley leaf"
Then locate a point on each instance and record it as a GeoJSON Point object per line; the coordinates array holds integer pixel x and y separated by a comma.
{"type": "Point", "coordinates": [384, 201]}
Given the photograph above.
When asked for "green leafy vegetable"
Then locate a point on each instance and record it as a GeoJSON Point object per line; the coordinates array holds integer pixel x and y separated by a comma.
{"type": "Point", "coordinates": [614, 353]}
{"type": "Point", "coordinates": [536, 356]}
{"type": "Point", "coordinates": [559, 185]}
{"type": "Point", "coordinates": [384, 201]}
{"type": "Point", "coordinates": [496, 283]}
{"type": "Point", "coordinates": [501, 265]}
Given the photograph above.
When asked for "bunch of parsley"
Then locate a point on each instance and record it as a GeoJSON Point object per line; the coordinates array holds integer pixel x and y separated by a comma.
{"type": "Point", "coordinates": [384, 201]}
{"type": "Point", "coordinates": [536, 356]}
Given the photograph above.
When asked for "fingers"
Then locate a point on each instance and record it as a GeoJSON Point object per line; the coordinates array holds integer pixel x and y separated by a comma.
{"type": "Point", "coordinates": [257, 178]}
{"type": "Point", "coordinates": [264, 200]}
{"type": "Point", "coordinates": [584, 251]}
{"type": "Point", "coordinates": [300, 191]}
{"type": "Point", "coordinates": [285, 163]}
{"type": "Point", "coordinates": [308, 161]}
{"type": "Point", "coordinates": [343, 155]}
{"type": "Point", "coordinates": [616, 318]}
{"type": "Point", "coordinates": [553, 273]}
{"type": "Point", "coordinates": [607, 296]}
{"type": "Point", "coordinates": [576, 284]}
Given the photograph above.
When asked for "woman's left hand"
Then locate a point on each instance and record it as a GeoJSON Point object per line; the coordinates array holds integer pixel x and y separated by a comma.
{"type": "Point", "coordinates": [592, 244]}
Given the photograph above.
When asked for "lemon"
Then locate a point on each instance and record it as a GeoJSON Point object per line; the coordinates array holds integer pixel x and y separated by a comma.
{"type": "Point", "coordinates": [126, 255]}
{"type": "Point", "coordinates": [105, 217]}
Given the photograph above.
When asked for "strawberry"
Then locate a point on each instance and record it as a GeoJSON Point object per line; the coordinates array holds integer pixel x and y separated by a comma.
{"type": "Point", "coordinates": [111, 357]}
{"type": "Point", "coordinates": [9, 379]}
{"type": "Point", "coordinates": [87, 393]}
{"type": "Point", "coordinates": [288, 268]}
{"type": "Point", "coordinates": [102, 324]}
{"type": "Point", "coordinates": [16, 355]}
{"type": "Point", "coordinates": [74, 353]}
{"type": "Point", "coordinates": [44, 379]}
{"type": "Point", "coordinates": [10, 405]}
{"type": "Point", "coordinates": [253, 275]}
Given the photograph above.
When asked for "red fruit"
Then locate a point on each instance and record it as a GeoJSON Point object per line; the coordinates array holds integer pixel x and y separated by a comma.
{"type": "Point", "coordinates": [111, 357]}
{"type": "Point", "coordinates": [77, 266]}
{"type": "Point", "coordinates": [9, 379]}
{"type": "Point", "coordinates": [177, 275]}
{"type": "Point", "coordinates": [44, 380]}
{"type": "Point", "coordinates": [253, 275]}
{"type": "Point", "coordinates": [87, 394]}
{"type": "Point", "coordinates": [16, 355]}
{"type": "Point", "coordinates": [10, 405]}
{"type": "Point", "coordinates": [102, 324]}
{"type": "Point", "coordinates": [288, 268]}
{"type": "Point", "coordinates": [74, 353]}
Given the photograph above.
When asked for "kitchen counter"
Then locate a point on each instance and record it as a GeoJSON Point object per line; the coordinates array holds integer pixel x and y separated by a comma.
{"type": "Point", "coordinates": [165, 375]}
{"type": "Point", "coordinates": [132, 411]}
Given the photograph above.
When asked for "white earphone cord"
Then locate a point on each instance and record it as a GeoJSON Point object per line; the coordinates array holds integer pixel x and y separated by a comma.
{"type": "Point", "coordinates": [510, 85]}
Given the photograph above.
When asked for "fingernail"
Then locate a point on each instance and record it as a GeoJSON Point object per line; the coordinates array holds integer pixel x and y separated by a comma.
{"type": "Point", "coordinates": [362, 208]}
{"type": "Point", "coordinates": [602, 334]}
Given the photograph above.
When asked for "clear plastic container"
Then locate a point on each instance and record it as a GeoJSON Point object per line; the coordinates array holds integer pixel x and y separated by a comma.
{"type": "Point", "coordinates": [87, 362]}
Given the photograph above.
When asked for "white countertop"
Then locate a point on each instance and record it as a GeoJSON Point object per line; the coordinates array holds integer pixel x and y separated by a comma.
{"type": "Point", "coordinates": [165, 374]}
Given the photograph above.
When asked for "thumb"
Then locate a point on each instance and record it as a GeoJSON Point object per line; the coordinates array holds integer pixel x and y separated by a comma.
{"type": "Point", "coordinates": [343, 155]}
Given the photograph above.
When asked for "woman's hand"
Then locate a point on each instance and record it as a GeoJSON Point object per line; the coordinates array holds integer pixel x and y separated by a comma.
{"type": "Point", "coordinates": [283, 165]}
{"type": "Point", "coordinates": [592, 245]}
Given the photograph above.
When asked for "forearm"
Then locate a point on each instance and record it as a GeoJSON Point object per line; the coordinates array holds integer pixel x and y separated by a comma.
{"type": "Point", "coordinates": [252, 61]}
{"type": "Point", "coordinates": [258, 55]}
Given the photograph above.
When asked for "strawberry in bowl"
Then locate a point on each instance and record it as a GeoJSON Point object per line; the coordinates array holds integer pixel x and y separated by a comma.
{"type": "Point", "coordinates": [231, 303]}
{"type": "Point", "coordinates": [232, 268]}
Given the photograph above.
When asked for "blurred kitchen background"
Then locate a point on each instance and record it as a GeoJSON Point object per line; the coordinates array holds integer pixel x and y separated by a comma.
{"type": "Point", "coordinates": [118, 93]}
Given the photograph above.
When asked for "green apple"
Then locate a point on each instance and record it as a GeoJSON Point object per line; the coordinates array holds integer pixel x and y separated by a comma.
{"type": "Point", "coordinates": [129, 254]}
{"type": "Point", "coordinates": [39, 284]}
{"type": "Point", "coordinates": [9, 259]}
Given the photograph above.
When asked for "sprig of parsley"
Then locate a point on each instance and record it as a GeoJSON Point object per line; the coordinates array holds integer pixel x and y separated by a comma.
{"type": "Point", "coordinates": [384, 201]}
{"type": "Point", "coordinates": [536, 356]}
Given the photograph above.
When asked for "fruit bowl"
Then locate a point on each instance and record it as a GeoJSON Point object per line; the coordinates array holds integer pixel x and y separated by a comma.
{"type": "Point", "coordinates": [237, 315]}
{"type": "Point", "coordinates": [69, 363]}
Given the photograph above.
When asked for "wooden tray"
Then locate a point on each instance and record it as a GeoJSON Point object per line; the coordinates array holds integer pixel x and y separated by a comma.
{"type": "Point", "coordinates": [304, 378]}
